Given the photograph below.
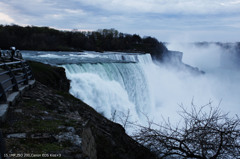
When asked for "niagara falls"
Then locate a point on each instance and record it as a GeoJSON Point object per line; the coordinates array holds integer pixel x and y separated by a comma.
{"type": "Point", "coordinates": [118, 83]}
{"type": "Point", "coordinates": [111, 79]}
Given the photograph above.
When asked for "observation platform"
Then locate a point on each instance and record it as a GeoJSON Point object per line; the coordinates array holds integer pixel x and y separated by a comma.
{"type": "Point", "coordinates": [16, 77]}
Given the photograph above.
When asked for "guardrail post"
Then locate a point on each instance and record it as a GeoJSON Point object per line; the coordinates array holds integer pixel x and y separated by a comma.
{"type": "Point", "coordinates": [25, 73]}
{"type": "Point", "coordinates": [14, 81]}
{"type": "Point", "coordinates": [30, 69]}
{"type": "Point", "coordinates": [3, 97]}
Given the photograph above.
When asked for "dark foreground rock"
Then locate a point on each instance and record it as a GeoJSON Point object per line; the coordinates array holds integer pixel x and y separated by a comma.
{"type": "Point", "coordinates": [51, 122]}
{"type": "Point", "coordinates": [51, 76]}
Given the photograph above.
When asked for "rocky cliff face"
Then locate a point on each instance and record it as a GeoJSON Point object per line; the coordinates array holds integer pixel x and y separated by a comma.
{"type": "Point", "coordinates": [49, 121]}
{"type": "Point", "coordinates": [174, 59]}
{"type": "Point", "coordinates": [50, 76]}
{"type": "Point", "coordinates": [161, 54]}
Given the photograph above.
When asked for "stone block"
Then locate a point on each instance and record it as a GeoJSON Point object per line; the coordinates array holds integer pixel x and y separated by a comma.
{"type": "Point", "coordinates": [13, 97]}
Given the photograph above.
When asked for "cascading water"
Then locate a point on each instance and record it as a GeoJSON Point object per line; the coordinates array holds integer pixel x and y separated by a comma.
{"type": "Point", "coordinates": [120, 84]}
{"type": "Point", "coordinates": [113, 88]}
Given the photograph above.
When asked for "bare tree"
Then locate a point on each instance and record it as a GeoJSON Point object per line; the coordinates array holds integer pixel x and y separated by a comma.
{"type": "Point", "coordinates": [206, 133]}
{"type": "Point", "coordinates": [122, 118]}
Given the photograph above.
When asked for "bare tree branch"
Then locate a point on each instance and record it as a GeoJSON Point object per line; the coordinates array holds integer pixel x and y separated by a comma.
{"type": "Point", "coordinates": [206, 133]}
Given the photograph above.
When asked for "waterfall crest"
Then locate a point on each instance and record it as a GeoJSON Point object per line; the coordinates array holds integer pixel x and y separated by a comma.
{"type": "Point", "coordinates": [112, 87]}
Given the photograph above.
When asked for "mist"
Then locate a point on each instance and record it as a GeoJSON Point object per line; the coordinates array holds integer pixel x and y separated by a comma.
{"type": "Point", "coordinates": [220, 84]}
{"type": "Point", "coordinates": [156, 90]}
{"type": "Point", "coordinates": [144, 88]}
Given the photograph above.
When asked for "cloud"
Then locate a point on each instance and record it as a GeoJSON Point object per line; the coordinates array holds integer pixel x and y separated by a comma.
{"type": "Point", "coordinates": [42, 12]}
{"type": "Point", "coordinates": [159, 18]}
{"type": "Point", "coordinates": [195, 7]}
{"type": "Point", "coordinates": [4, 19]}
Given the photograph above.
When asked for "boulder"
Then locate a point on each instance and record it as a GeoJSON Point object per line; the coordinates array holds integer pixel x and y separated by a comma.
{"type": "Point", "coordinates": [110, 141]}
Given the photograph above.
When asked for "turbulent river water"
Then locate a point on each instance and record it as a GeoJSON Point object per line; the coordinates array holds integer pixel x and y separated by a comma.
{"type": "Point", "coordinates": [125, 85]}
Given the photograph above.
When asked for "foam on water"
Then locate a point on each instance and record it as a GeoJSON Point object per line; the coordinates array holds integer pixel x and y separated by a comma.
{"type": "Point", "coordinates": [142, 87]}
{"type": "Point", "coordinates": [111, 87]}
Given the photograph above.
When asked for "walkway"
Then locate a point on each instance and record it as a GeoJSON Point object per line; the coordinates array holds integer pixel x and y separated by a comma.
{"type": "Point", "coordinates": [15, 78]}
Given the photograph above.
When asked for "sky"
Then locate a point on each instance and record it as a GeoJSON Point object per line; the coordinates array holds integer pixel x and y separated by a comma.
{"type": "Point", "coordinates": [167, 20]}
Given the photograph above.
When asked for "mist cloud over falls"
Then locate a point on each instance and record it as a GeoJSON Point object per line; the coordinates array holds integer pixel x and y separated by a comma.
{"type": "Point", "coordinates": [156, 89]}
{"type": "Point", "coordinates": [144, 88]}
{"type": "Point", "coordinates": [220, 83]}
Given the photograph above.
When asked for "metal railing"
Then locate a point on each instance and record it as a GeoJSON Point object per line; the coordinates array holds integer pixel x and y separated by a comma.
{"type": "Point", "coordinates": [13, 74]}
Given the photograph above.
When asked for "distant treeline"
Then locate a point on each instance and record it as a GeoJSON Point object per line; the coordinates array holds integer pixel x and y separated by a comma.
{"type": "Point", "coordinates": [45, 38]}
{"type": "Point", "coordinates": [235, 46]}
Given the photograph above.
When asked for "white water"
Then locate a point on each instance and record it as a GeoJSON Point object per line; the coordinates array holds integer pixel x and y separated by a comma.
{"type": "Point", "coordinates": [155, 90]}
{"type": "Point", "coordinates": [114, 89]}
{"type": "Point", "coordinates": [117, 83]}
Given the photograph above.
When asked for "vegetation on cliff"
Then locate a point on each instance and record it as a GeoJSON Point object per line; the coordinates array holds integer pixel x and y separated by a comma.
{"type": "Point", "coordinates": [51, 76]}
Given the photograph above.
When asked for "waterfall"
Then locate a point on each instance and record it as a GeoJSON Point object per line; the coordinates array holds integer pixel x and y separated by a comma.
{"type": "Point", "coordinates": [113, 87]}
{"type": "Point", "coordinates": [116, 84]}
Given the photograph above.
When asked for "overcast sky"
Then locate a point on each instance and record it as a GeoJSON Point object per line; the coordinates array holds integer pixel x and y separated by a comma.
{"type": "Point", "coordinates": [167, 20]}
